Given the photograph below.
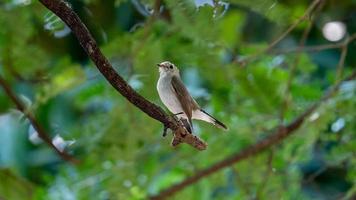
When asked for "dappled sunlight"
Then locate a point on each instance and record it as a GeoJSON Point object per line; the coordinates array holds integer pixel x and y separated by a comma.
{"type": "Point", "coordinates": [334, 31]}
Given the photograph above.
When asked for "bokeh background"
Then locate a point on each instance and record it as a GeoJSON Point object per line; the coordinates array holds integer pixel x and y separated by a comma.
{"type": "Point", "coordinates": [121, 149]}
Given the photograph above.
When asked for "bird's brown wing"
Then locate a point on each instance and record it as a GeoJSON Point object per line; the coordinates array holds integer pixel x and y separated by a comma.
{"type": "Point", "coordinates": [187, 102]}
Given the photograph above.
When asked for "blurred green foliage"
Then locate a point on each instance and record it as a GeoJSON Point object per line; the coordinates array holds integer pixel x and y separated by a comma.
{"type": "Point", "coordinates": [122, 152]}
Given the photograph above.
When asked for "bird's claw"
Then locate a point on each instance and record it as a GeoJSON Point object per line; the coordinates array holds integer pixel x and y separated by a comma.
{"type": "Point", "coordinates": [165, 128]}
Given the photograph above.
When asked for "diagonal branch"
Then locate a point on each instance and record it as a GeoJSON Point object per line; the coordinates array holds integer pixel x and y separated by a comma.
{"type": "Point", "coordinates": [279, 134]}
{"type": "Point", "coordinates": [65, 12]}
{"type": "Point", "coordinates": [41, 132]}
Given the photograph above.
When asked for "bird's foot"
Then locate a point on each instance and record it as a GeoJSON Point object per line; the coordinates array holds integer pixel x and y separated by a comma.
{"type": "Point", "coordinates": [186, 125]}
{"type": "Point", "coordinates": [165, 128]}
{"type": "Point", "coordinates": [177, 114]}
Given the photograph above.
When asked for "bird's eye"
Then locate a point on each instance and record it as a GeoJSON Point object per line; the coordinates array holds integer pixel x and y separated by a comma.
{"type": "Point", "coordinates": [171, 66]}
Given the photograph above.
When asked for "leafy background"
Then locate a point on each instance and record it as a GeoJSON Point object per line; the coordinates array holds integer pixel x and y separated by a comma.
{"type": "Point", "coordinates": [122, 152]}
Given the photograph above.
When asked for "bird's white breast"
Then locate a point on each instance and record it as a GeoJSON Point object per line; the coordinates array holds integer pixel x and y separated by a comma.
{"type": "Point", "coordinates": [167, 94]}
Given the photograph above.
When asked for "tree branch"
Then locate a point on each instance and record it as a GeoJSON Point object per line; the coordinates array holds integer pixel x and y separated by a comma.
{"type": "Point", "coordinates": [277, 136]}
{"type": "Point", "coordinates": [65, 12]}
{"type": "Point", "coordinates": [40, 130]}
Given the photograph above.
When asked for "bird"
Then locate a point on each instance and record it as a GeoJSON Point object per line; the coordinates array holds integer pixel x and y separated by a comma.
{"type": "Point", "coordinates": [175, 96]}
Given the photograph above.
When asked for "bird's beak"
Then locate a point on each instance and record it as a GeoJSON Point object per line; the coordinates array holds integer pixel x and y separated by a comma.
{"type": "Point", "coordinates": [158, 65]}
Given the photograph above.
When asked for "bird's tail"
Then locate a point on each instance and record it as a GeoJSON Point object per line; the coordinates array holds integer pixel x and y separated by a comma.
{"type": "Point", "coordinates": [202, 115]}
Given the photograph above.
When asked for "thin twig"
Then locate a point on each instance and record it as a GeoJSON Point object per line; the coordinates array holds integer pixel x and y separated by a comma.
{"type": "Point", "coordinates": [292, 27]}
{"type": "Point", "coordinates": [314, 48]}
{"type": "Point", "coordinates": [279, 134]}
{"type": "Point", "coordinates": [243, 184]}
{"type": "Point", "coordinates": [287, 94]}
{"type": "Point", "coordinates": [147, 27]}
{"type": "Point", "coordinates": [266, 175]}
{"type": "Point", "coordinates": [63, 10]}
{"type": "Point", "coordinates": [311, 177]}
{"type": "Point", "coordinates": [298, 49]}
{"type": "Point", "coordinates": [322, 169]}
{"type": "Point", "coordinates": [283, 35]}
{"type": "Point", "coordinates": [9, 67]}
{"type": "Point", "coordinates": [40, 130]}
{"type": "Point", "coordinates": [293, 68]}
{"type": "Point", "coordinates": [340, 66]}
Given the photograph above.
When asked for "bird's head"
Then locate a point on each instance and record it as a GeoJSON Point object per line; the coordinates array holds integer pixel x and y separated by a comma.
{"type": "Point", "coordinates": [168, 68]}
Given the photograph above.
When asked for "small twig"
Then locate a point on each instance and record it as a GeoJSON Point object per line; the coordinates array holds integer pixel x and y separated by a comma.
{"type": "Point", "coordinates": [267, 174]}
{"type": "Point", "coordinates": [243, 184]}
{"type": "Point", "coordinates": [279, 134]}
{"type": "Point", "coordinates": [340, 66]}
{"type": "Point", "coordinates": [283, 35]}
{"type": "Point", "coordinates": [322, 169]}
{"type": "Point", "coordinates": [315, 174]}
{"type": "Point", "coordinates": [147, 27]}
{"type": "Point", "coordinates": [293, 68]}
{"type": "Point", "coordinates": [298, 49]}
{"type": "Point", "coordinates": [314, 48]}
{"type": "Point", "coordinates": [156, 7]}
{"type": "Point", "coordinates": [287, 94]}
{"type": "Point", "coordinates": [9, 67]}
{"type": "Point", "coordinates": [65, 12]}
{"type": "Point", "coordinates": [156, 14]}
{"type": "Point", "coordinates": [295, 24]}
{"type": "Point", "coordinates": [40, 130]}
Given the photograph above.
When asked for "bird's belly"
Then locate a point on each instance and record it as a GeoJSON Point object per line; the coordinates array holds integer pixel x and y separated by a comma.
{"type": "Point", "coordinates": [168, 98]}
